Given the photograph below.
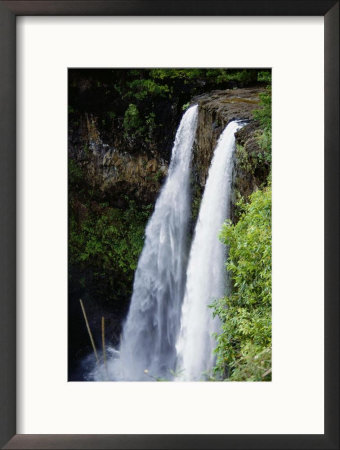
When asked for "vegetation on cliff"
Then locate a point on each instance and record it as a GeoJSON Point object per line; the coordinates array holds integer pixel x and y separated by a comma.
{"type": "Point", "coordinates": [244, 343]}
{"type": "Point", "coordinates": [132, 114]}
{"type": "Point", "coordinates": [104, 242]}
{"type": "Point", "coordinates": [139, 109]}
{"type": "Point", "coordinates": [264, 116]}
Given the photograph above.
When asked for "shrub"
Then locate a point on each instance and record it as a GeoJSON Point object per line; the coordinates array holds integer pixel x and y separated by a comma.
{"type": "Point", "coordinates": [244, 344]}
{"type": "Point", "coordinates": [264, 116]}
{"type": "Point", "coordinates": [104, 242]}
{"type": "Point", "coordinates": [132, 121]}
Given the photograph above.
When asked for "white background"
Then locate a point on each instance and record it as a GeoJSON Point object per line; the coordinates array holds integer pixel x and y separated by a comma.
{"type": "Point", "coordinates": [293, 401]}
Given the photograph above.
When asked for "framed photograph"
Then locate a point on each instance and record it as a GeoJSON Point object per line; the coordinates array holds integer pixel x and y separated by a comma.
{"type": "Point", "coordinates": [170, 227]}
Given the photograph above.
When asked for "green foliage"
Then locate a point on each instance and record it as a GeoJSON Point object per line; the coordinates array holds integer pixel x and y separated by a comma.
{"type": "Point", "coordinates": [244, 344]}
{"type": "Point", "coordinates": [264, 76]}
{"type": "Point", "coordinates": [195, 205]}
{"type": "Point", "coordinates": [185, 106]}
{"type": "Point", "coordinates": [150, 125]}
{"type": "Point", "coordinates": [176, 74]}
{"type": "Point", "coordinates": [135, 127]}
{"type": "Point", "coordinates": [240, 77]}
{"type": "Point", "coordinates": [104, 242]}
{"type": "Point", "coordinates": [75, 175]}
{"type": "Point", "coordinates": [125, 99]}
{"type": "Point", "coordinates": [140, 89]}
{"type": "Point", "coordinates": [243, 159]}
{"type": "Point", "coordinates": [216, 76]}
{"type": "Point", "coordinates": [264, 116]}
{"type": "Point", "coordinates": [249, 162]}
{"type": "Point", "coordinates": [132, 121]}
{"type": "Point", "coordinates": [114, 237]}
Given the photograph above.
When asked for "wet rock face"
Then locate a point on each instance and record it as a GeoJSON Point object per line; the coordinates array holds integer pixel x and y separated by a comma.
{"type": "Point", "coordinates": [116, 173]}
{"type": "Point", "coordinates": [216, 110]}
{"type": "Point", "coordinates": [113, 171]}
{"type": "Point", "coordinates": [251, 171]}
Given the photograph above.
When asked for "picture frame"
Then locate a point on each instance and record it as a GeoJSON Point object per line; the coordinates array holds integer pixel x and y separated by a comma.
{"type": "Point", "coordinates": [9, 10]}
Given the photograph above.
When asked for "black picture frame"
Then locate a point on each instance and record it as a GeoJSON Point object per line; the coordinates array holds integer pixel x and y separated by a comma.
{"type": "Point", "coordinates": [8, 12]}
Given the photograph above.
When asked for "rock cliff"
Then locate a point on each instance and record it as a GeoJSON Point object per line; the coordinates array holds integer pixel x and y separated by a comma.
{"type": "Point", "coordinates": [216, 110]}
{"type": "Point", "coordinates": [118, 174]}
{"type": "Point", "coordinates": [112, 174]}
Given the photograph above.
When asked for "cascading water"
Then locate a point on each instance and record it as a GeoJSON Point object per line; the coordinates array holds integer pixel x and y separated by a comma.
{"type": "Point", "coordinates": [147, 348]}
{"type": "Point", "coordinates": [206, 280]}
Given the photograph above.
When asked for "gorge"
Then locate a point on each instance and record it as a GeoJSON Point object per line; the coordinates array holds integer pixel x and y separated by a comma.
{"type": "Point", "coordinates": [130, 181]}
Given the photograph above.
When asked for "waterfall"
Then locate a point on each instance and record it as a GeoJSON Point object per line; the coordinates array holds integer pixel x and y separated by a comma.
{"type": "Point", "coordinates": [206, 274]}
{"type": "Point", "coordinates": [168, 333]}
{"type": "Point", "coordinates": [147, 348]}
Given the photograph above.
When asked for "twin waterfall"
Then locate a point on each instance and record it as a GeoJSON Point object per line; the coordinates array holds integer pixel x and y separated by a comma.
{"type": "Point", "coordinates": [206, 272]}
{"type": "Point", "coordinates": [168, 331]}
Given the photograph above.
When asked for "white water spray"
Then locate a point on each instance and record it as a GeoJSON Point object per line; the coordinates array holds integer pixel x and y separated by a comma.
{"type": "Point", "coordinates": [147, 349]}
{"type": "Point", "coordinates": [206, 274]}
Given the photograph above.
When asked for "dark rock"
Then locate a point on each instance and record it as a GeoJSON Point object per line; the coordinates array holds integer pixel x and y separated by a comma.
{"type": "Point", "coordinates": [116, 172]}
{"type": "Point", "coordinates": [113, 171]}
{"type": "Point", "coordinates": [216, 110]}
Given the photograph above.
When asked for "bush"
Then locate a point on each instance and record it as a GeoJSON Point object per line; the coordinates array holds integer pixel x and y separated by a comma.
{"type": "Point", "coordinates": [264, 116]}
{"type": "Point", "coordinates": [104, 242]}
{"type": "Point", "coordinates": [132, 121]}
{"type": "Point", "coordinates": [265, 76]}
{"type": "Point", "coordinates": [244, 344]}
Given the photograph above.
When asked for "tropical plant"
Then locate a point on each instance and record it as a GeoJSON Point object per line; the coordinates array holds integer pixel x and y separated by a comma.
{"type": "Point", "coordinates": [244, 344]}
